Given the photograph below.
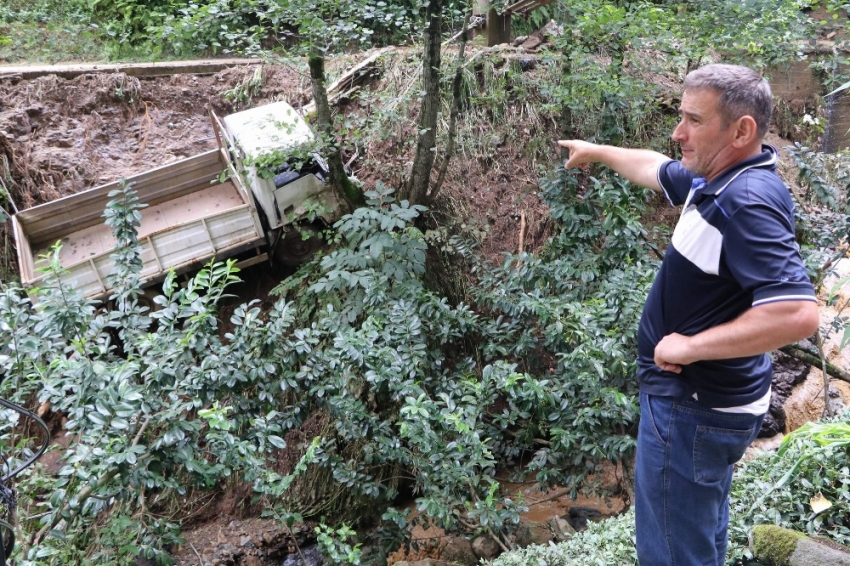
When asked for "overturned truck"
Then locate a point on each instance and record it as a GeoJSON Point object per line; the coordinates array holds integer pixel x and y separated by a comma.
{"type": "Point", "coordinates": [253, 197]}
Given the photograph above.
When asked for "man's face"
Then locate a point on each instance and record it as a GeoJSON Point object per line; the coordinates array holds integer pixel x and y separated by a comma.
{"type": "Point", "coordinates": [705, 142]}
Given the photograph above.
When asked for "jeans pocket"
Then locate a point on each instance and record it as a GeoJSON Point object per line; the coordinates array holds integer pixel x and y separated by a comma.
{"type": "Point", "coordinates": [655, 411]}
{"type": "Point", "coordinates": [715, 449]}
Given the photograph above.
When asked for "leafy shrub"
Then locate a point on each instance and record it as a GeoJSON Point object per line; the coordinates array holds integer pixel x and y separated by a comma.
{"type": "Point", "coordinates": [776, 489]}
{"type": "Point", "coordinates": [603, 544]}
{"type": "Point", "coordinates": [414, 388]}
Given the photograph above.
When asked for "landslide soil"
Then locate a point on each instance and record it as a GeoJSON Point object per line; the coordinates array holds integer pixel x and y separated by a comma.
{"type": "Point", "coordinates": [59, 137]}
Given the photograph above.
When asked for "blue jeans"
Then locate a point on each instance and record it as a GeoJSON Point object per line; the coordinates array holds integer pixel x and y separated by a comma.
{"type": "Point", "coordinates": [683, 473]}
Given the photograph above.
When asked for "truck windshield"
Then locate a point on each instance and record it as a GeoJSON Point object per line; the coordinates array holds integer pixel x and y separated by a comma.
{"type": "Point", "coordinates": [286, 172]}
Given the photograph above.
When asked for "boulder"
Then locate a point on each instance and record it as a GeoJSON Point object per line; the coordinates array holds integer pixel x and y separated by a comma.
{"type": "Point", "coordinates": [561, 528]}
{"type": "Point", "coordinates": [532, 533]}
{"type": "Point", "coordinates": [459, 551]}
{"type": "Point", "coordinates": [486, 548]}
{"type": "Point", "coordinates": [532, 42]}
{"type": "Point", "coordinates": [784, 547]}
{"type": "Point", "coordinates": [578, 517]}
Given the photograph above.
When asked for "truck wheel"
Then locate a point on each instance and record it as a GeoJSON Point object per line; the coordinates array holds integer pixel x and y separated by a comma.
{"type": "Point", "coordinates": [298, 245]}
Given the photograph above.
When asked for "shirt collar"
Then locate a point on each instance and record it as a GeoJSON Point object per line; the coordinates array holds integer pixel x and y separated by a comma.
{"type": "Point", "coordinates": [767, 159]}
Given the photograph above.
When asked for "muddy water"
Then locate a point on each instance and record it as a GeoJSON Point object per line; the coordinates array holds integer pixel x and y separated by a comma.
{"type": "Point", "coordinates": [543, 506]}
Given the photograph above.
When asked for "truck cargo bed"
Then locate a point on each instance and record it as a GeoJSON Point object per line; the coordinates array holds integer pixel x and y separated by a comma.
{"type": "Point", "coordinates": [188, 221]}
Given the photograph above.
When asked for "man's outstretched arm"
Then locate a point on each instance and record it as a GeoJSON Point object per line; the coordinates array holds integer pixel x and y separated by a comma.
{"type": "Point", "coordinates": [640, 166]}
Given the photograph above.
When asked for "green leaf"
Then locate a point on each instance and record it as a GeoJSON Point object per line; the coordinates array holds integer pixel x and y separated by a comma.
{"type": "Point", "coordinates": [845, 86]}
{"type": "Point", "coordinates": [96, 418]}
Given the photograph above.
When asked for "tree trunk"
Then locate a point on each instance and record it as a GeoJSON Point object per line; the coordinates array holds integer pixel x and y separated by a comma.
{"type": "Point", "coordinates": [340, 182]}
{"type": "Point", "coordinates": [423, 161]}
{"type": "Point", "coordinates": [566, 118]}
{"type": "Point", "coordinates": [457, 85]}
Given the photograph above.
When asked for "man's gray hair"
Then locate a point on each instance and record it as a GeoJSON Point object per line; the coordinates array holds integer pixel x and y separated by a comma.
{"type": "Point", "coordinates": [743, 92]}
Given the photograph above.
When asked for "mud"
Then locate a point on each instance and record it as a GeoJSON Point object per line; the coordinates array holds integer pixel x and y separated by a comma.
{"type": "Point", "coordinates": [59, 137]}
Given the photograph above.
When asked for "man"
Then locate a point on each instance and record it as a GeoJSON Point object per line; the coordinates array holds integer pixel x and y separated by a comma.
{"type": "Point", "coordinates": [732, 287]}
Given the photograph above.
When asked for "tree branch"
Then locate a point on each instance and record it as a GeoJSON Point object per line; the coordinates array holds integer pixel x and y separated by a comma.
{"type": "Point", "coordinates": [813, 358]}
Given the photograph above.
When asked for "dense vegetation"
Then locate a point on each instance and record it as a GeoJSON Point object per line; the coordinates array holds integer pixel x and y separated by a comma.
{"type": "Point", "coordinates": [417, 368]}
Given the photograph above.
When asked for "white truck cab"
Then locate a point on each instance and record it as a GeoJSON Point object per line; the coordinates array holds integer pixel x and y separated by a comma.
{"type": "Point", "coordinates": [262, 136]}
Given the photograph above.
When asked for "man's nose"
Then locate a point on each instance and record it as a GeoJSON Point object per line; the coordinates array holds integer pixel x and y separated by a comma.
{"type": "Point", "coordinates": [678, 134]}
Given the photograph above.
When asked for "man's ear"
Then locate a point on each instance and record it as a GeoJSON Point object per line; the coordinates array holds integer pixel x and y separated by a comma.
{"type": "Point", "coordinates": [746, 131]}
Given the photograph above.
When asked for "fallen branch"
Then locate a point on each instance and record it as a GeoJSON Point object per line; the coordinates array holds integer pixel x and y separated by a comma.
{"type": "Point", "coordinates": [474, 23]}
{"type": "Point", "coordinates": [351, 77]}
{"type": "Point", "coordinates": [521, 233]}
{"type": "Point", "coordinates": [813, 358]}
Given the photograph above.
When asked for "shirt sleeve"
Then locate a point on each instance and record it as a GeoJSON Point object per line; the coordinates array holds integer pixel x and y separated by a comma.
{"type": "Point", "coordinates": [763, 257]}
{"type": "Point", "coordinates": [675, 181]}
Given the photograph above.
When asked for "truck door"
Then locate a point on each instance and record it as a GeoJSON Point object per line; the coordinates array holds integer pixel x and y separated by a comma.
{"type": "Point", "coordinates": [230, 154]}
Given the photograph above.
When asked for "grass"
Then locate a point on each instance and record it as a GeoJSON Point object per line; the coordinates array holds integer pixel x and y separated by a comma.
{"type": "Point", "coordinates": [47, 31]}
{"type": "Point", "coordinates": [50, 42]}
{"type": "Point", "coordinates": [52, 31]}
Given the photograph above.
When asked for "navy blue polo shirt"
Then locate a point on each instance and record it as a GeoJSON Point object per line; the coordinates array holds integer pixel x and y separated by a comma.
{"type": "Point", "coordinates": [732, 249]}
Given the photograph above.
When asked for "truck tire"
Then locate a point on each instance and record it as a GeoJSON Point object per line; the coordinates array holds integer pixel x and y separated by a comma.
{"type": "Point", "coordinates": [298, 245]}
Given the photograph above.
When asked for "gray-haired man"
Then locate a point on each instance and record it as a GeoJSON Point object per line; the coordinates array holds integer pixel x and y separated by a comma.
{"type": "Point", "coordinates": [732, 287]}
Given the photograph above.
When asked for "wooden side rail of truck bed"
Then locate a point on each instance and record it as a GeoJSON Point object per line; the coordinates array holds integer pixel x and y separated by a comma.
{"type": "Point", "coordinates": [191, 217]}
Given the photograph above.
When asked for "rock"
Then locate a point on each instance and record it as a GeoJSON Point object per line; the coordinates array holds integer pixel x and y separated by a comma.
{"type": "Point", "coordinates": [532, 42]}
{"type": "Point", "coordinates": [561, 528]}
{"type": "Point", "coordinates": [251, 560]}
{"type": "Point", "coordinates": [776, 545]}
{"type": "Point", "coordinates": [460, 551]}
{"type": "Point", "coordinates": [787, 372]}
{"type": "Point", "coordinates": [532, 533]}
{"type": "Point", "coordinates": [526, 64]}
{"type": "Point", "coordinates": [311, 554]}
{"type": "Point", "coordinates": [578, 517]}
{"type": "Point", "coordinates": [486, 548]}
{"type": "Point", "coordinates": [551, 30]}
{"type": "Point", "coordinates": [520, 40]}
{"type": "Point", "coordinates": [774, 423]}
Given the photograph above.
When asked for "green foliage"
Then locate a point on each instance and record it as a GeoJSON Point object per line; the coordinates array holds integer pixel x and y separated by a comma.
{"type": "Point", "coordinates": [602, 544]}
{"type": "Point", "coordinates": [244, 25]}
{"type": "Point", "coordinates": [823, 225]}
{"type": "Point", "coordinates": [411, 385]}
{"type": "Point", "coordinates": [48, 31]}
{"type": "Point", "coordinates": [776, 489]}
{"type": "Point", "coordinates": [157, 412]}
{"type": "Point", "coordinates": [126, 20]}
{"type": "Point", "coordinates": [334, 546]}
{"type": "Point", "coordinates": [609, 99]}
{"type": "Point", "coordinates": [826, 177]}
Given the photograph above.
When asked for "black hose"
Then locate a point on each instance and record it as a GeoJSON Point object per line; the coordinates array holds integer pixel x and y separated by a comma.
{"type": "Point", "coordinates": [37, 455]}
{"type": "Point", "coordinates": [7, 495]}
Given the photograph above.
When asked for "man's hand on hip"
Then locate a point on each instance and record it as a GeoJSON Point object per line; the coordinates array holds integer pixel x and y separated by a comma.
{"type": "Point", "coordinates": [760, 329]}
{"type": "Point", "coordinates": [673, 352]}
